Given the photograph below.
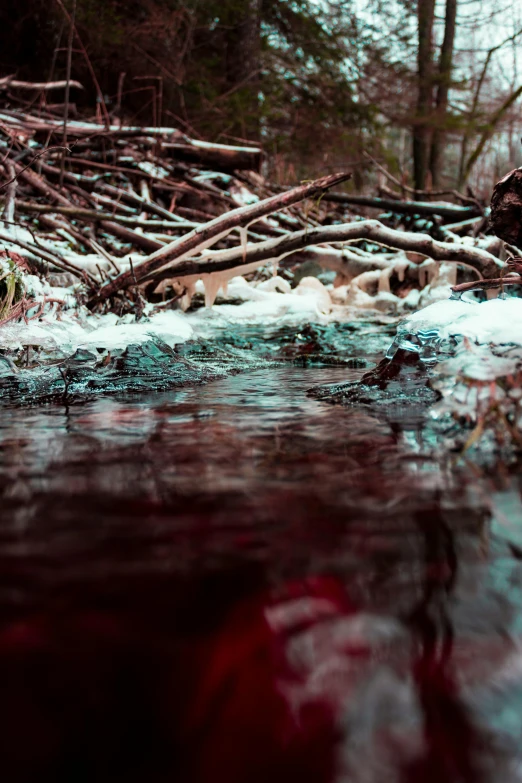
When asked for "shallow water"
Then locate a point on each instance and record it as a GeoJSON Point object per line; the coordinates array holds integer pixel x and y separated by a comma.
{"type": "Point", "coordinates": [239, 582]}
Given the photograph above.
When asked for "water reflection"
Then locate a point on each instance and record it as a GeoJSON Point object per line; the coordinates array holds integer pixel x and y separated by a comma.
{"type": "Point", "coordinates": [237, 582]}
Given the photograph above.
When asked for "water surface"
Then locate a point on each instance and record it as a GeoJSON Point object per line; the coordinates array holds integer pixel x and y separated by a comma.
{"type": "Point", "coordinates": [238, 582]}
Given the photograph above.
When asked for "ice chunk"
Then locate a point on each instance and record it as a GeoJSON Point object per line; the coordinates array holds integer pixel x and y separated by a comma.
{"type": "Point", "coordinates": [312, 287]}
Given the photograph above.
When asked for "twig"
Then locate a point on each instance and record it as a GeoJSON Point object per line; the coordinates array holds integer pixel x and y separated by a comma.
{"type": "Point", "coordinates": [407, 189]}
{"type": "Point", "coordinates": [67, 85]}
{"type": "Point", "coordinates": [88, 63]}
{"type": "Point", "coordinates": [496, 282]}
{"type": "Point", "coordinates": [46, 255]}
{"type": "Point", "coordinates": [36, 157]}
{"type": "Point", "coordinates": [78, 213]}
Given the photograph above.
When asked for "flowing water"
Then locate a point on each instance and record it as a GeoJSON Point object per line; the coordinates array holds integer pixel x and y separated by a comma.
{"type": "Point", "coordinates": [237, 582]}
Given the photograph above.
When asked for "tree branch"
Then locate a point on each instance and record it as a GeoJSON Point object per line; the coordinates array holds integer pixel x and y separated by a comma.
{"type": "Point", "coordinates": [273, 249]}
{"type": "Point", "coordinates": [209, 233]}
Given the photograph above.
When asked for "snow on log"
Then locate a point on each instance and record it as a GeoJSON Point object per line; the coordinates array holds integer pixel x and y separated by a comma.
{"type": "Point", "coordinates": [8, 82]}
{"type": "Point", "coordinates": [274, 249]}
{"type": "Point", "coordinates": [209, 233]}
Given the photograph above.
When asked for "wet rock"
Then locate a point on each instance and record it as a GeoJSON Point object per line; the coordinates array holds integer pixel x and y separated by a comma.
{"type": "Point", "coordinates": [399, 386]}
{"type": "Point", "coordinates": [151, 366]}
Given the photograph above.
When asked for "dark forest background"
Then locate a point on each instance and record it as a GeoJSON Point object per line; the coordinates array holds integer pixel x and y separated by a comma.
{"type": "Point", "coordinates": [416, 84]}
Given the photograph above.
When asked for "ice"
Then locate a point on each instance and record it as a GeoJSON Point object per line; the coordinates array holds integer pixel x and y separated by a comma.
{"type": "Point", "coordinates": [108, 332]}
{"type": "Point", "coordinates": [497, 321]}
{"type": "Point", "coordinates": [170, 327]}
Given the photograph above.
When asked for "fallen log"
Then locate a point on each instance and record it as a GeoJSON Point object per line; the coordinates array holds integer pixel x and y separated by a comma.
{"type": "Point", "coordinates": [372, 230]}
{"type": "Point", "coordinates": [426, 208]}
{"type": "Point", "coordinates": [209, 233]}
{"type": "Point", "coordinates": [8, 81]}
{"type": "Point", "coordinates": [220, 157]}
{"type": "Point", "coordinates": [78, 213]}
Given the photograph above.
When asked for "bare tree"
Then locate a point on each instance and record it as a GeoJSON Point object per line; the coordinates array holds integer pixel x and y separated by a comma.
{"type": "Point", "coordinates": [243, 64]}
{"type": "Point", "coordinates": [421, 127]}
{"type": "Point", "coordinates": [443, 85]}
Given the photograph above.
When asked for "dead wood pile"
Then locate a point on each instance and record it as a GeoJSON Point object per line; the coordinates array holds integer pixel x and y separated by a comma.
{"type": "Point", "coordinates": [150, 202]}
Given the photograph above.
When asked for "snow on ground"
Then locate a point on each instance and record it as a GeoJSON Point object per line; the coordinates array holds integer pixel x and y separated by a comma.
{"type": "Point", "coordinates": [497, 321]}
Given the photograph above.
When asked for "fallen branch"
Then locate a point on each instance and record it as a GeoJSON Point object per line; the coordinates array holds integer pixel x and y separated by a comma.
{"type": "Point", "coordinates": [21, 169]}
{"type": "Point", "coordinates": [127, 235]}
{"type": "Point", "coordinates": [217, 156]}
{"type": "Point", "coordinates": [450, 211]}
{"type": "Point", "coordinates": [209, 233]}
{"type": "Point", "coordinates": [50, 258]}
{"type": "Point", "coordinates": [274, 249]}
{"type": "Point", "coordinates": [8, 81]}
{"type": "Point", "coordinates": [497, 282]}
{"type": "Point", "coordinates": [78, 213]}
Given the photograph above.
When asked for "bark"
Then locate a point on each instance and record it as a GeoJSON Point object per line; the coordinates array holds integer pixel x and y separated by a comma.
{"type": "Point", "coordinates": [421, 129]}
{"type": "Point", "coordinates": [441, 100]}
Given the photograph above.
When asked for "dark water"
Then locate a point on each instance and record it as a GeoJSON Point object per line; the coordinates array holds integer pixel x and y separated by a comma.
{"type": "Point", "coordinates": [240, 583]}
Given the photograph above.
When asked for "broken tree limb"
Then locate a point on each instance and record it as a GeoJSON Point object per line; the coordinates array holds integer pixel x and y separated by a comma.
{"type": "Point", "coordinates": [427, 208]}
{"type": "Point", "coordinates": [78, 213]}
{"type": "Point", "coordinates": [8, 81]}
{"type": "Point", "coordinates": [209, 233]}
{"type": "Point", "coordinates": [139, 240]}
{"type": "Point", "coordinates": [137, 201]}
{"type": "Point", "coordinates": [40, 185]}
{"type": "Point", "coordinates": [372, 230]}
{"type": "Point", "coordinates": [482, 285]}
{"type": "Point", "coordinates": [220, 157]}
{"type": "Point", "coordinates": [50, 258]}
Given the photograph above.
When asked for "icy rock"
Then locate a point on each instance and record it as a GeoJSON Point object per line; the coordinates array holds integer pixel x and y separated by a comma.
{"type": "Point", "coordinates": [312, 287]}
{"type": "Point", "coordinates": [169, 327]}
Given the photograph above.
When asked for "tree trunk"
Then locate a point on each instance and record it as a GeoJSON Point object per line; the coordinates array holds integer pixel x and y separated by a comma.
{"type": "Point", "coordinates": [243, 65]}
{"type": "Point", "coordinates": [441, 101]}
{"type": "Point", "coordinates": [421, 128]}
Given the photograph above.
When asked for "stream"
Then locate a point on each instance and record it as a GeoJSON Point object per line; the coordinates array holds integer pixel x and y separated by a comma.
{"type": "Point", "coordinates": [239, 582]}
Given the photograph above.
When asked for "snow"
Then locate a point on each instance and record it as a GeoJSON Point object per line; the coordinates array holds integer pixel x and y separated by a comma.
{"type": "Point", "coordinates": [104, 332]}
{"type": "Point", "coordinates": [497, 321]}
